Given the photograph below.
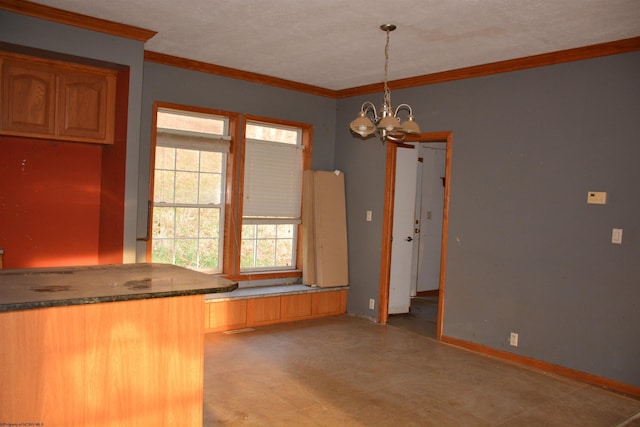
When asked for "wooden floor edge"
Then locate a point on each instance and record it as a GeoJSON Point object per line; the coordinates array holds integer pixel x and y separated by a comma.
{"type": "Point", "coordinates": [585, 377]}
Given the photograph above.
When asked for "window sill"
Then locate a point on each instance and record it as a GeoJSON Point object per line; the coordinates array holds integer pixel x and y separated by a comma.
{"type": "Point", "coordinates": [266, 275]}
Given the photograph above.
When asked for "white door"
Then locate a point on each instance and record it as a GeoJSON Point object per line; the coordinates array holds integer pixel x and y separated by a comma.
{"type": "Point", "coordinates": [403, 231]}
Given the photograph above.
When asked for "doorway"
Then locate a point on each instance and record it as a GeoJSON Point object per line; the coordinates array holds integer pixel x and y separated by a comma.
{"type": "Point", "coordinates": [445, 140]}
{"type": "Point", "coordinates": [415, 259]}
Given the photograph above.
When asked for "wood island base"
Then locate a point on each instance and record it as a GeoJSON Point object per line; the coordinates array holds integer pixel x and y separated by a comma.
{"type": "Point", "coordinates": [126, 363]}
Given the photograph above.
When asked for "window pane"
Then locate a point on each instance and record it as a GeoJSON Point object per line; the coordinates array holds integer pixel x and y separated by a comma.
{"type": "Point", "coordinates": [248, 231]}
{"type": "Point", "coordinates": [165, 157]}
{"type": "Point", "coordinates": [210, 188]}
{"type": "Point", "coordinates": [186, 187]}
{"type": "Point", "coordinates": [163, 222]}
{"type": "Point", "coordinates": [266, 231]}
{"type": "Point", "coordinates": [285, 231]}
{"type": "Point", "coordinates": [284, 252]}
{"type": "Point", "coordinates": [209, 222]}
{"type": "Point", "coordinates": [208, 250]}
{"type": "Point", "coordinates": [272, 133]}
{"type": "Point", "coordinates": [163, 186]}
{"type": "Point", "coordinates": [162, 251]}
{"type": "Point", "coordinates": [186, 253]}
{"type": "Point", "coordinates": [193, 122]}
{"type": "Point", "coordinates": [247, 254]}
{"type": "Point", "coordinates": [210, 162]}
{"type": "Point", "coordinates": [187, 160]}
{"type": "Point", "coordinates": [266, 252]}
{"type": "Point", "coordinates": [187, 222]}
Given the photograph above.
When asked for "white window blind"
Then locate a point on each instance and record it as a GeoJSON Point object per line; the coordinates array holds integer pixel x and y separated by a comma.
{"type": "Point", "coordinates": [175, 138]}
{"type": "Point", "coordinates": [272, 180]}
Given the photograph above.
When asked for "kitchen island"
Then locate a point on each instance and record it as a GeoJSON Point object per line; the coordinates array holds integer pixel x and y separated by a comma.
{"type": "Point", "coordinates": [103, 345]}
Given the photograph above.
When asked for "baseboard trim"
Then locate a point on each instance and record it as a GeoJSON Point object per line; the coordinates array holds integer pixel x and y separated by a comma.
{"type": "Point", "coordinates": [545, 366]}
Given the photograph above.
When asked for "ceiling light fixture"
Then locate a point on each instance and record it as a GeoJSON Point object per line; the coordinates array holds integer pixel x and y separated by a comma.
{"type": "Point", "coordinates": [387, 122]}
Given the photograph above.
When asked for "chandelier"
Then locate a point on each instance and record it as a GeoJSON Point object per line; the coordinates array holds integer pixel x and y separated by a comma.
{"type": "Point", "coordinates": [386, 122]}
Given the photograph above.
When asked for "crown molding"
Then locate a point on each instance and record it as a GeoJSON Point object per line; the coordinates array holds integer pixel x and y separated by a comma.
{"type": "Point", "coordinates": [545, 59]}
{"type": "Point", "coordinates": [75, 19]}
{"type": "Point", "coordinates": [190, 64]}
{"type": "Point", "coordinates": [542, 60]}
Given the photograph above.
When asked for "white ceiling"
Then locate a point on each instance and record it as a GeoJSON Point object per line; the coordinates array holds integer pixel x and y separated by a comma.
{"type": "Point", "coordinates": [337, 44]}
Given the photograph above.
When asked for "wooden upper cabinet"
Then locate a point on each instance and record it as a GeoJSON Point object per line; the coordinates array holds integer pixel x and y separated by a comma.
{"type": "Point", "coordinates": [57, 100]}
{"type": "Point", "coordinates": [28, 99]}
{"type": "Point", "coordinates": [86, 106]}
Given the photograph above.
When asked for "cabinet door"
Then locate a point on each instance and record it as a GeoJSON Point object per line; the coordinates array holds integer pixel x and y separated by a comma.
{"type": "Point", "coordinates": [86, 104]}
{"type": "Point", "coordinates": [28, 99]}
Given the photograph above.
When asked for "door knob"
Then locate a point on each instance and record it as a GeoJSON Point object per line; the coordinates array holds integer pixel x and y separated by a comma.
{"type": "Point", "coordinates": [408, 239]}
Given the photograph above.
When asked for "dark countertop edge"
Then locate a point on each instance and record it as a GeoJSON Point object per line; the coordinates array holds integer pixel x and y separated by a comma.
{"type": "Point", "coordinates": [30, 305]}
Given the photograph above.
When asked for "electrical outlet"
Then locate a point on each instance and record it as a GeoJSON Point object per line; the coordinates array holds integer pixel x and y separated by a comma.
{"type": "Point", "coordinates": [513, 339]}
{"type": "Point", "coordinates": [372, 304]}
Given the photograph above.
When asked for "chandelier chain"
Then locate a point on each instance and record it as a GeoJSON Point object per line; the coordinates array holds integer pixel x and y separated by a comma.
{"type": "Point", "coordinates": [387, 92]}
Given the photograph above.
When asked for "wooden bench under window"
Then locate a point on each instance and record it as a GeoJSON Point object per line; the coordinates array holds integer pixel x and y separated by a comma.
{"type": "Point", "coordinates": [259, 306]}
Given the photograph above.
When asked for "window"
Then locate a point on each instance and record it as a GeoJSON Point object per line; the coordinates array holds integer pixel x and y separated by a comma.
{"type": "Point", "coordinates": [271, 196]}
{"type": "Point", "coordinates": [215, 211]}
{"type": "Point", "coordinates": [188, 189]}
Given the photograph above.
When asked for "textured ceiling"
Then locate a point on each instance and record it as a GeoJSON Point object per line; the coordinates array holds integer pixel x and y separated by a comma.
{"type": "Point", "coordinates": [337, 44]}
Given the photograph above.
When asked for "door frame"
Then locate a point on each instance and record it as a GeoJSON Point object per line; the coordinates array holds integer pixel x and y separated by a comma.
{"type": "Point", "coordinates": [387, 224]}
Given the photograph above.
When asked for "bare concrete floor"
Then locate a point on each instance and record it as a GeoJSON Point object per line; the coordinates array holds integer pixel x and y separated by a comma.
{"type": "Point", "coordinates": [346, 371]}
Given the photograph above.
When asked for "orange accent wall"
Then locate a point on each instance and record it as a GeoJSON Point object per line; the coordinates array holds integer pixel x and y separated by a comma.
{"type": "Point", "coordinates": [50, 194]}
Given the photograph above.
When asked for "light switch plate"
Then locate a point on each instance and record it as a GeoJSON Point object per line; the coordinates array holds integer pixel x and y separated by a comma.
{"type": "Point", "coordinates": [597, 197]}
{"type": "Point", "coordinates": [616, 236]}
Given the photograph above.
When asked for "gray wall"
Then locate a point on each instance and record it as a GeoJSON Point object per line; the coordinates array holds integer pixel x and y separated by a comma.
{"type": "Point", "coordinates": [41, 34]}
{"type": "Point", "coordinates": [176, 85]}
{"type": "Point", "coordinates": [526, 253]}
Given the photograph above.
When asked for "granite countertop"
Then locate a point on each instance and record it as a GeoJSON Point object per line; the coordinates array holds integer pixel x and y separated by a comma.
{"type": "Point", "coordinates": [29, 288]}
